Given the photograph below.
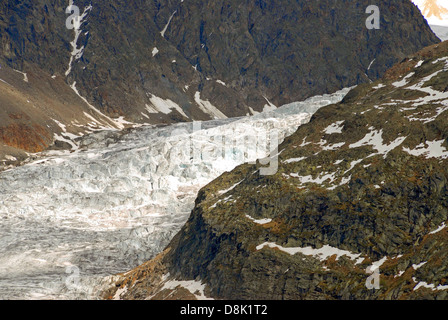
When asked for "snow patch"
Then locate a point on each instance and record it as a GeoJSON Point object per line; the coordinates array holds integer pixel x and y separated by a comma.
{"type": "Point", "coordinates": [119, 292]}
{"type": "Point", "coordinates": [424, 284]}
{"type": "Point", "coordinates": [418, 266]}
{"type": "Point", "coordinates": [162, 33]}
{"type": "Point", "coordinates": [429, 149]}
{"type": "Point", "coordinates": [375, 139]}
{"type": "Point", "coordinates": [443, 226]}
{"type": "Point", "coordinates": [322, 254]}
{"type": "Point", "coordinates": [230, 189]}
{"type": "Point", "coordinates": [208, 108]}
{"type": "Point", "coordinates": [403, 81]}
{"type": "Point", "coordinates": [439, 111]}
{"type": "Point", "coordinates": [25, 77]}
{"type": "Point", "coordinates": [195, 287]}
{"type": "Point", "coordinates": [10, 158]}
{"type": "Point", "coordinates": [293, 160]}
{"type": "Point", "coordinates": [269, 107]}
{"type": "Point", "coordinates": [334, 128]}
{"type": "Point", "coordinates": [260, 221]}
{"type": "Point", "coordinates": [419, 64]}
{"type": "Point", "coordinates": [77, 53]}
{"type": "Point", "coordinates": [318, 180]}
{"type": "Point", "coordinates": [379, 86]}
{"type": "Point", "coordinates": [111, 121]}
{"type": "Point", "coordinates": [377, 264]}
{"type": "Point", "coordinates": [164, 106]}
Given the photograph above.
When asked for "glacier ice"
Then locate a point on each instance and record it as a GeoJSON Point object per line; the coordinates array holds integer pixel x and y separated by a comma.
{"type": "Point", "coordinates": [68, 220]}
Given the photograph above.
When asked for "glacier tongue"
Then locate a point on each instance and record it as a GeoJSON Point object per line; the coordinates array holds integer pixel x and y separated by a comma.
{"type": "Point", "coordinates": [69, 220]}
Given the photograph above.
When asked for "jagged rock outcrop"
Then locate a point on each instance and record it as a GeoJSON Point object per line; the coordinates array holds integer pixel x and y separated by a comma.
{"type": "Point", "coordinates": [363, 186]}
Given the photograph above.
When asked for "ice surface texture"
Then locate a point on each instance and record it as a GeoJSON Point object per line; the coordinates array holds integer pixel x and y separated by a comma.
{"type": "Point", "coordinates": [69, 220]}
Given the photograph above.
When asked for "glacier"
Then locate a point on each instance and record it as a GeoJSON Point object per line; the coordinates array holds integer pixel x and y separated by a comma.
{"type": "Point", "coordinates": [71, 219]}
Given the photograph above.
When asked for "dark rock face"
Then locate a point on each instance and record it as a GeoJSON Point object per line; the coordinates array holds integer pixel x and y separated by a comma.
{"type": "Point", "coordinates": [281, 51]}
{"type": "Point", "coordinates": [364, 183]}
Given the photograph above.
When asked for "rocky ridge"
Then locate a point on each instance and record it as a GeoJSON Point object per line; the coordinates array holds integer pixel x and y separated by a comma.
{"type": "Point", "coordinates": [363, 186]}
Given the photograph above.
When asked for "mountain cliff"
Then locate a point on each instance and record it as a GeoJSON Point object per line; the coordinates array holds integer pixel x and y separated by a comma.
{"type": "Point", "coordinates": [361, 189]}
{"type": "Point", "coordinates": [173, 61]}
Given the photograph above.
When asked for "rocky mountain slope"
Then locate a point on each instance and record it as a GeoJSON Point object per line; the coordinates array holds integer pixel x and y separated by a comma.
{"type": "Point", "coordinates": [174, 61]}
{"type": "Point", "coordinates": [361, 187]}
{"type": "Point", "coordinates": [38, 111]}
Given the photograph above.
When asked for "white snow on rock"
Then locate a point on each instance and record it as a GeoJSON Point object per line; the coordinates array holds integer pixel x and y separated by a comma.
{"type": "Point", "coordinates": [1, 80]}
{"type": "Point", "coordinates": [323, 177]}
{"type": "Point", "coordinates": [418, 266]}
{"type": "Point", "coordinates": [108, 123]}
{"type": "Point", "coordinates": [438, 112]}
{"type": "Point", "coordinates": [379, 86]}
{"type": "Point", "coordinates": [269, 107]}
{"type": "Point", "coordinates": [293, 160]}
{"type": "Point", "coordinates": [432, 95]}
{"type": "Point", "coordinates": [400, 273]}
{"type": "Point", "coordinates": [334, 128]}
{"type": "Point", "coordinates": [10, 158]}
{"type": "Point", "coordinates": [419, 64]}
{"type": "Point", "coordinates": [331, 147]}
{"type": "Point", "coordinates": [443, 226]}
{"type": "Point", "coordinates": [119, 292]}
{"type": "Point", "coordinates": [225, 200]}
{"type": "Point", "coordinates": [162, 33]}
{"type": "Point", "coordinates": [61, 125]}
{"type": "Point", "coordinates": [66, 140]}
{"type": "Point", "coordinates": [208, 108]}
{"type": "Point", "coordinates": [25, 76]}
{"type": "Point", "coordinates": [429, 149]}
{"type": "Point", "coordinates": [344, 180]}
{"type": "Point", "coordinates": [195, 287]}
{"type": "Point", "coordinates": [423, 284]}
{"type": "Point", "coordinates": [164, 106]}
{"type": "Point", "coordinates": [221, 192]}
{"type": "Point", "coordinates": [77, 53]}
{"type": "Point", "coordinates": [403, 81]}
{"type": "Point", "coordinates": [375, 139]}
{"type": "Point", "coordinates": [322, 254]}
{"type": "Point", "coordinates": [377, 264]}
{"type": "Point", "coordinates": [151, 109]}
{"type": "Point", "coordinates": [259, 221]}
